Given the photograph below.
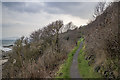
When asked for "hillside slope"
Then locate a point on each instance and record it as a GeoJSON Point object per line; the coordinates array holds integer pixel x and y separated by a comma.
{"type": "Point", "coordinates": [101, 39]}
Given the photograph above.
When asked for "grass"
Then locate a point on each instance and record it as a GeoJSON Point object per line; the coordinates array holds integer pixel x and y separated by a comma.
{"type": "Point", "coordinates": [64, 71]}
{"type": "Point", "coordinates": [85, 70]}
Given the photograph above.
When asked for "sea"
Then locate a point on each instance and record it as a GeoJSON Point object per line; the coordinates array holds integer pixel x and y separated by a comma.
{"type": "Point", "coordinates": [5, 49]}
{"type": "Point", "coordinates": [6, 43]}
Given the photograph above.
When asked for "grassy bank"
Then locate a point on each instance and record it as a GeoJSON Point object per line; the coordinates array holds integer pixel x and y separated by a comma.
{"type": "Point", "coordinates": [85, 70]}
{"type": "Point", "coordinates": [64, 71]}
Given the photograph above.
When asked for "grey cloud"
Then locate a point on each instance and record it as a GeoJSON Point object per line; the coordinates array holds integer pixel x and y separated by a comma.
{"type": "Point", "coordinates": [22, 6]}
{"type": "Point", "coordinates": [80, 9]}
{"type": "Point", "coordinates": [6, 25]}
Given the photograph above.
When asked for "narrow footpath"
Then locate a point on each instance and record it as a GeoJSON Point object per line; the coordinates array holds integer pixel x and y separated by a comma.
{"type": "Point", "coordinates": [74, 72]}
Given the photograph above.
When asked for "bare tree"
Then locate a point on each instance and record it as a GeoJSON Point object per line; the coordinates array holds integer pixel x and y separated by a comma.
{"type": "Point", "coordinates": [35, 36]}
{"type": "Point", "coordinates": [99, 9]}
{"type": "Point", "coordinates": [57, 25]}
{"type": "Point", "coordinates": [68, 26]}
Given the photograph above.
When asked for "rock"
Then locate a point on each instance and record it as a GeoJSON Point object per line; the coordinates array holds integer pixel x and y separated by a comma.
{"type": "Point", "coordinates": [86, 57]}
{"type": "Point", "coordinates": [8, 46]}
{"type": "Point", "coordinates": [91, 57]}
{"type": "Point", "coordinates": [111, 75]}
{"type": "Point", "coordinates": [106, 73]}
{"type": "Point", "coordinates": [60, 74]}
{"type": "Point", "coordinates": [97, 68]}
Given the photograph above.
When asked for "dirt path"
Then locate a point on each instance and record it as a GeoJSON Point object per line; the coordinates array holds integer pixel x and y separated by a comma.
{"type": "Point", "coordinates": [74, 72]}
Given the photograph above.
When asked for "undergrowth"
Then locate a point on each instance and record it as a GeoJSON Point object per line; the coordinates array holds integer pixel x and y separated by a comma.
{"type": "Point", "coordinates": [85, 70]}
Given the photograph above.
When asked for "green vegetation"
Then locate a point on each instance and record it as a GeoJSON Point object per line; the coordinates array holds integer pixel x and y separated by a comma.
{"type": "Point", "coordinates": [64, 71]}
{"type": "Point", "coordinates": [85, 70]}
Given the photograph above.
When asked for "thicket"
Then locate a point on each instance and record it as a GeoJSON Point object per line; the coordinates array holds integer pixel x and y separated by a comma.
{"type": "Point", "coordinates": [37, 56]}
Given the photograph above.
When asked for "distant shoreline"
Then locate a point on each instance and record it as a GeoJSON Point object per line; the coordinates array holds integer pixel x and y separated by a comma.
{"type": "Point", "coordinates": [8, 46]}
{"type": "Point", "coordinates": [7, 43]}
{"type": "Point", "coordinates": [5, 52]}
{"type": "Point", "coordinates": [5, 48]}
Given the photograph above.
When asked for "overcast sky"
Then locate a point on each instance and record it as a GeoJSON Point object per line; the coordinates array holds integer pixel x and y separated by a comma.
{"type": "Point", "coordinates": [22, 18]}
